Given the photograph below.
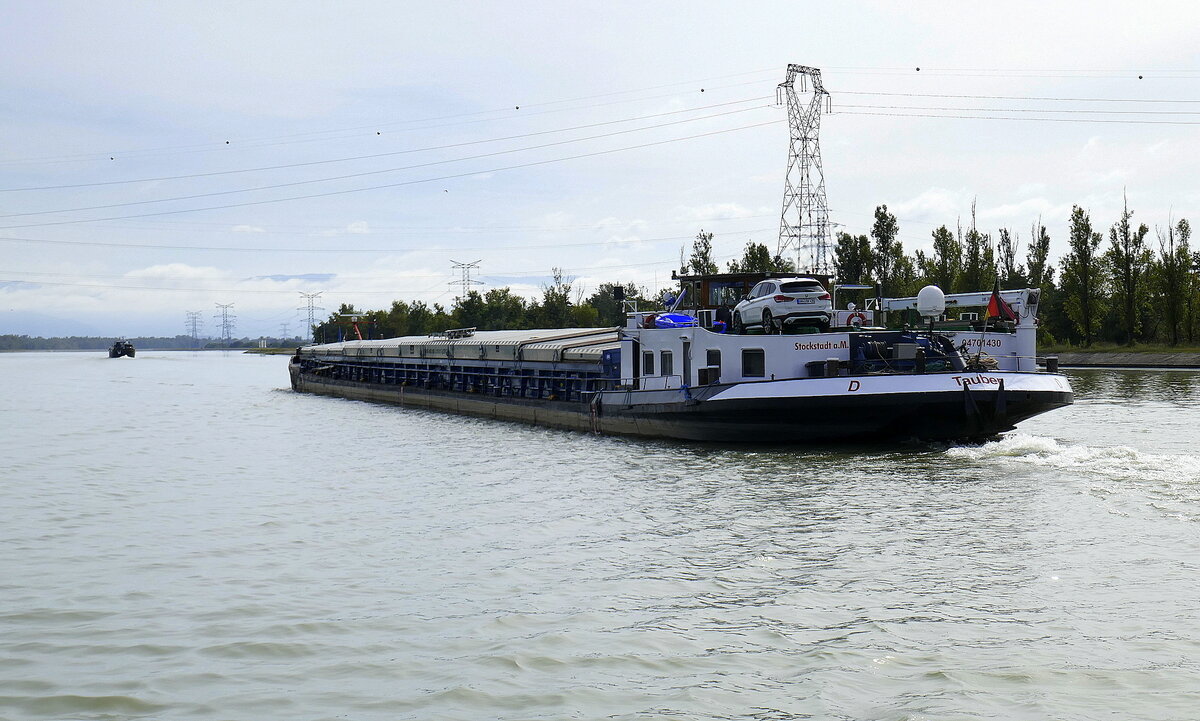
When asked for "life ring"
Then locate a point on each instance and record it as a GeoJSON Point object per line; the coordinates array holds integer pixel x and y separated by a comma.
{"type": "Point", "coordinates": [856, 315]}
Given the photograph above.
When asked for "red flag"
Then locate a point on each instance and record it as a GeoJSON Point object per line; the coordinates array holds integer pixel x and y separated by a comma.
{"type": "Point", "coordinates": [997, 308]}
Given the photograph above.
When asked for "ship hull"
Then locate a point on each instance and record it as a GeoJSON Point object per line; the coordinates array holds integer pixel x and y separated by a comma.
{"type": "Point", "coordinates": [832, 410]}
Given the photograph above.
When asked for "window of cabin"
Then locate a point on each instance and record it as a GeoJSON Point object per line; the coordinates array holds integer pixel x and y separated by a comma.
{"type": "Point", "coordinates": [667, 363]}
{"type": "Point", "coordinates": [754, 363]}
{"type": "Point", "coordinates": [648, 363]}
{"type": "Point", "coordinates": [713, 358]}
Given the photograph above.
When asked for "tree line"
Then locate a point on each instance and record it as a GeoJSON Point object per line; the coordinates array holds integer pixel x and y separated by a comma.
{"type": "Point", "coordinates": [1119, 288]}
{"type": "Point", "coordinates": [1127, 290]}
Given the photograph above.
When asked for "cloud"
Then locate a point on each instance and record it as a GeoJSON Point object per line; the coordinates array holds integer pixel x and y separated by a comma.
{"type": "Point", "coordinates": [934, 205]}
{"type": "Point", "coordinates": [248, 229]}
{"type": "Point", "coordinates": [177, 271]}
{"type": "Point", "coordinates": [714, 211]}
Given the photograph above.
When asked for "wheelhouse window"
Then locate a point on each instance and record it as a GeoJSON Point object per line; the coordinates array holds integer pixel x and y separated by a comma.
{"type": "Point", "coordinates": [667, 364]}
{"type": "Point", "coordinates": [754, 363]}
{"type": "Point", "coordinates": [648, 363]}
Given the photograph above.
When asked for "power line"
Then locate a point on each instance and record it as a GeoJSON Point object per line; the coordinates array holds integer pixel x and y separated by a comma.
{"type": "Point", "coordinates": [398, 184]}
{"type": "Point", "coordinates": [513, 111]}
{"type": "Point", "coordinates": [377, 155]}
{"type": "Point", "coordinates": [1030, 120]}
{"type": "Point", "coordinates": [425, 248]}
{"type": "Point", "coordinates": [1016, 97]}
{"type": "Point", "coordinates": [349, 176]}
{"type": "Point", "coordinates": [1027, 110]}
{"type": "Point", "coordinates": [503, 274]}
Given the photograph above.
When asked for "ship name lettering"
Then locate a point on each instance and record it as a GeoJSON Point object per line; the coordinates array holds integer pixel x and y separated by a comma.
{"type": "Point", "coordinates": [976, 380]}
{"type": "Point", "coordinates": [824, 345]}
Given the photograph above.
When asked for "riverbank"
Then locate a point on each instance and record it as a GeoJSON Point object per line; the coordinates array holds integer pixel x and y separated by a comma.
{"type": "Point", "coordinates": [1125, 358]}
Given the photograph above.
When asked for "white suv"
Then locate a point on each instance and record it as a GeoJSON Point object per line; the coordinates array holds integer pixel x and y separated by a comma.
{"type": "Point", "coordinates": [777, 302]}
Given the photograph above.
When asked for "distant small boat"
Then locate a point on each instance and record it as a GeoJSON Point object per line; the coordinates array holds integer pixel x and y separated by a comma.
{"type": "Point", "coordinates": [121, 348]}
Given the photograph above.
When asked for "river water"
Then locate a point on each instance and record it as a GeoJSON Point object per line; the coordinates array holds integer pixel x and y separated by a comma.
{"type": "Point", "coordinates": [183, 537]}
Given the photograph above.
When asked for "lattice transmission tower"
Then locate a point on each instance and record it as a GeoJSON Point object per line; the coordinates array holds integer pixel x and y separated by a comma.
{"type": "Point", "coordinates": [310, 299]}
{"type": "Point", "coordinates": [466, 281]}
{"type": "Point", "coordinates": [227, 321]}
{"type": "Point", "coordinates": [193, 325]}
{"type": "Point", "coordinates": [804, 225]}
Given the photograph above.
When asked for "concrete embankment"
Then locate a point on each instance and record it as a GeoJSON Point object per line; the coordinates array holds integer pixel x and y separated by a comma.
{"type": "Point", "coordinates": [1127, 359]}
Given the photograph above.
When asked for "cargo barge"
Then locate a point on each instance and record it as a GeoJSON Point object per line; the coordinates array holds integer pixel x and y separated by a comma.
{"type": "Point", "coordinates": [688, 380]}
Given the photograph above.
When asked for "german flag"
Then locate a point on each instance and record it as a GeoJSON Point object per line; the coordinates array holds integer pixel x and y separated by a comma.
{"type": "Point", "coordinates": [997, 308]}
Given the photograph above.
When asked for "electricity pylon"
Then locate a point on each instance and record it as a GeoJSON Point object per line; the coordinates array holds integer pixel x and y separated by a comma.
{"type": "Point", "coordinates": [227, 321]}
{"type": "Point", "coordinates": [193, 325]}
{"type": "Point", "coordinates": [311, 299]}
{"type": "Point", "coordinates": [466, 281]}
{"type": "Point", "coordinates": [804, 224]}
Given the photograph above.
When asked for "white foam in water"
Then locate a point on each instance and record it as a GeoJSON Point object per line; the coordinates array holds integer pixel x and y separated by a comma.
{"type": "Point", "coordinates": [1111, 461]}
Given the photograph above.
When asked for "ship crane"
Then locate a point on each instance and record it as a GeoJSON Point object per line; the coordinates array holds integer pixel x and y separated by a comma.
{"type": "Point", "coordinates": [804, 225]}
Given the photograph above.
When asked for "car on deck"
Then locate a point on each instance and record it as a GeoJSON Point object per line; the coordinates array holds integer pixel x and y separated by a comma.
{"type": "Point", "coordinates": [776, 303]}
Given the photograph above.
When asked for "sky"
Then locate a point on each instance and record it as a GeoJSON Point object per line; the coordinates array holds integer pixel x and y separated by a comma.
{"type": "Point", "coordinates": [160, 158]}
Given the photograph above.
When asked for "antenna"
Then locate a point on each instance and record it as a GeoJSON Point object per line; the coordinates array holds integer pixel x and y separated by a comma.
{"type": "Point", "coordinates": [227, 321]}
{"type": "Point", "coordinates": [310, 298]}
{"type": "Point", "coordinates": [467, 281]}
{"type": "Point", "coordinates": [804, 223]}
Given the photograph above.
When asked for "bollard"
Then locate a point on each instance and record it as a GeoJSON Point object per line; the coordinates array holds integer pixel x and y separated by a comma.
{"type": "Point", "coordinates": [832, 367]}
{"type": "Point", "coordinates": [1051, 364]}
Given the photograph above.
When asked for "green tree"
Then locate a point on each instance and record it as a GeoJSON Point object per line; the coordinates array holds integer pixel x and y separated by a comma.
{"type": "Point", "coordinates": [609, 310]}
{"type": "Point", "coordinates": [469, 311]}
{"type": "Point", "coordinates": [852, 258]}
{"type": "Point", "coordinates": [555, 309]}
{"type": "Point", "coordinates": [1083, 276]}
{"type": "Point", "coordinates": [504, 310]}
{"type": "Point", "coordinates": [701, 260]}
{"type": "Point", "coordinates": [1037, 255]}
{"type": "Point", "coordinates": [1040, 273]}
{"type": "Point", "coordinates": [1012, 274]}
{"type": "Point", "coordinates": [979, 261]}
{"type": "Point", "coordinates": [1174, 277]}
{"type": "Point", "coordinates": [755, 259]}
{"type": "Point", "coordinates": [1129, 259]}
{"type": "Point", "coordinates": [887, 252]}
{"type": "Point", "coordinates": [946, 261]}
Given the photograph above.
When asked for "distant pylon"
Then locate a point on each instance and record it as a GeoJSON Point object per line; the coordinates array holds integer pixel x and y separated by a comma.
{"type": "Point", "coordinates": [466, 281]}
{"type": "Point", "coordinates": [193, 324]}
{"type": "Point", "coordinates": [804, 223]}
{"type": "Point", "coordinates": [227, 321]}
{"type": "Point", "coordinates": [311, 299]}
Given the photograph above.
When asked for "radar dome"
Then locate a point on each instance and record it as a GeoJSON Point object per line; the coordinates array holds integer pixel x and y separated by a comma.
{"type": "Point", "coordinates": [931, 301]}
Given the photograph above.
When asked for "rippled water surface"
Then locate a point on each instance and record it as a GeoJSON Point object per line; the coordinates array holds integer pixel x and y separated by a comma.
{"type": "Point", "coordinates": [182, 537]}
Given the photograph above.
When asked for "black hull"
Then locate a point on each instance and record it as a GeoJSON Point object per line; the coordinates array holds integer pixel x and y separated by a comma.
{"type": "Point", "coordinates": [944, 416]}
